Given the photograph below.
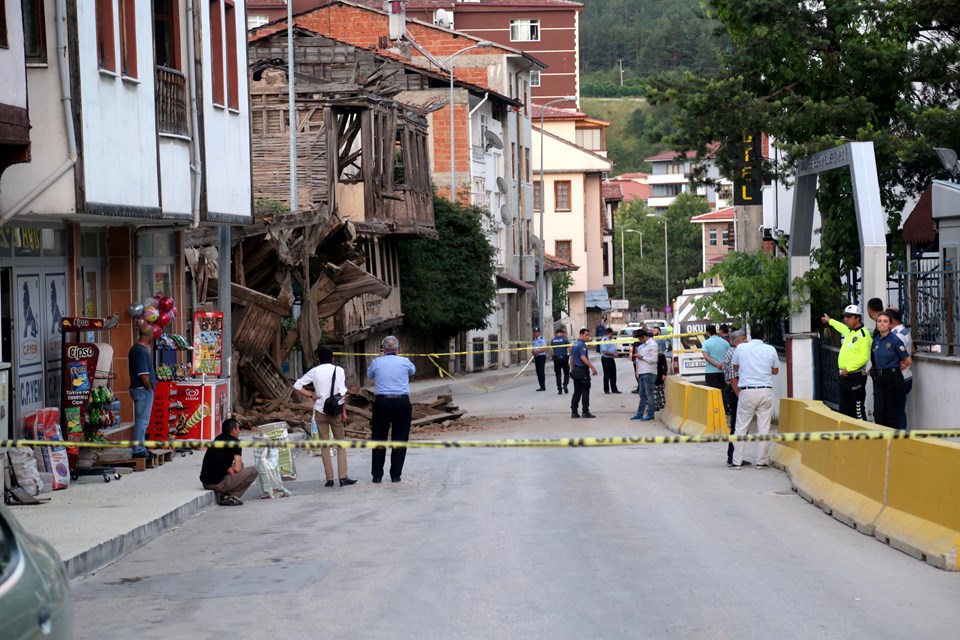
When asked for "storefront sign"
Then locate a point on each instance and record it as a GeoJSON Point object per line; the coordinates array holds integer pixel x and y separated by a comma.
{"type": "Point", "coordinates": [748, 187]}
{"type": "Point", "coordinates": [27, 326]}
{"type": "Point", "coordinates": [208, 343]}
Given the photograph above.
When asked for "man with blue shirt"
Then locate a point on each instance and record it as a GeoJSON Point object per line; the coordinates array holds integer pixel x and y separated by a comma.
{"type": "Point", "coordinates": [581, 372]}
{"type": "Point", "coordinates": [754, 365]}
{"type": "Point", "coordinates": [540, 358]}
{"type": "Point", "coordinates": [391, 407]}
{"type": "Point", "coordinates": [143, 379]}
{"type": "Point", "coordinates": [713, 351]}
{"type": "Point", "coordinates": [561, 360]}
{"type": "Point", "coordinates": [608, 361]}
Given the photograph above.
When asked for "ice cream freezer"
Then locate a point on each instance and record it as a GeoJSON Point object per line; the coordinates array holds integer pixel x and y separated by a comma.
{"type": "Point", "coordinates": [189, 409]}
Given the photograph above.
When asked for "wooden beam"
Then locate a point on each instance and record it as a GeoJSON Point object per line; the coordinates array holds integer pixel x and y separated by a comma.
{"type": "Point", "coordinates": [261, 300]}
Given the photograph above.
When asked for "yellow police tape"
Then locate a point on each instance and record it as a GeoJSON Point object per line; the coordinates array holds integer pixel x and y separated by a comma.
{"type": "Point", "coordinates": [517, 443]}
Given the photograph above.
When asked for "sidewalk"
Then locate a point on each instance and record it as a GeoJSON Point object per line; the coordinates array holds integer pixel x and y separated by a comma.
{"type": "Point", "coordinates": [94, 523]}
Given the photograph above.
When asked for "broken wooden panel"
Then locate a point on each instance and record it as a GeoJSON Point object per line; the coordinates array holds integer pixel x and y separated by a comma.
{"type": "Point", "coordinates": [351, 280]}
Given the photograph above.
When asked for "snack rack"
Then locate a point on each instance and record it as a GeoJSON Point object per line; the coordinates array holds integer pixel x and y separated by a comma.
{"type": "Point", "coordinates": [167, 414]}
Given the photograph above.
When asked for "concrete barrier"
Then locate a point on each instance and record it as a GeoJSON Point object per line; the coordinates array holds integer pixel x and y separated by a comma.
{"type": "Point", "coordinates": [903, 492]}
{"type": "Point", "coordinates": [693, 409]}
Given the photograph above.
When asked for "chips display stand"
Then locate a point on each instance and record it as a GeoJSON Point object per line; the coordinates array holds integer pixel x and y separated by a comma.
{"type": "Point", "coordinates": [85, 406]}
{"type": "Point", "coordinates": [168, 415]}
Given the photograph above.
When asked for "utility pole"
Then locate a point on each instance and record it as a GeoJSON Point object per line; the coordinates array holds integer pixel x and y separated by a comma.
{"type": "Point", "coordinates": [620, 60]}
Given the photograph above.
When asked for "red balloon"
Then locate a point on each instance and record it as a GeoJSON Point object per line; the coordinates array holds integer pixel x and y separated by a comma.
{"type": "Point", "coordinates": [157, 331]}
{"type": "Point", "coordinates": [173, 311]}
{"type": "Point", "coordinates": [165, 303]}
{"type": "Point", "coordinates": [164, 319]}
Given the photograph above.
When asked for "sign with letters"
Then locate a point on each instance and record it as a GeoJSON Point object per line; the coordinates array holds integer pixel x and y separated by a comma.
{"type": "Point", "coordinates": [748, 185]}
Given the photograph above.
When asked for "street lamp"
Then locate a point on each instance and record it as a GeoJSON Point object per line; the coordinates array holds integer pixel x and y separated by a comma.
{"type": "Point", "coordinates": [666, 262]}
{"type": "Point", "coordinates": [453, 159]}
{"type": "Point", "coordinates": [541, 293]}
{"type": "Point", "coordinates": [623, 278]}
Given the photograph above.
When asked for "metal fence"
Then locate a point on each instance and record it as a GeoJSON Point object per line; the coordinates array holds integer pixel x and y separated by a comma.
{"type": "Point", "coordinates": [929, 301]}
{"type": "Point", "coordinates": [825, 369]}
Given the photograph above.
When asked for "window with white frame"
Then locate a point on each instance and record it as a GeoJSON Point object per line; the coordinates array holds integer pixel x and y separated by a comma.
{"type": "Point", "coordinates": [591, 139]}
{"type": "Point", "coordinates": [713, 236]}
{"type": "Point", "coordinates": [675, 168]}
{"type": "Point", "coordinates": [524, 30]}
{"type": "Point", "coordinates": [255, 20]}
{"type": "Point", "coordinates": [535, 78]}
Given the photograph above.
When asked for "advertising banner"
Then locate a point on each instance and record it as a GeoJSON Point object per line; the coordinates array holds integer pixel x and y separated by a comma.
{"type": "Point", "coordinates": [208, 343]}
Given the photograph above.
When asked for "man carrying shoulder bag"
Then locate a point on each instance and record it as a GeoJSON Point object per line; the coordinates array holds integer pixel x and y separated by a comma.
{"type": "Point", "coordinates": [329, 409]}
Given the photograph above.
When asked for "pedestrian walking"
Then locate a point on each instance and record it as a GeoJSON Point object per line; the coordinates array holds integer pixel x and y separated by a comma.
{"type": "Point", "coordinates": [329, 381]}
{"type": "Point", "coordinates": [143, 380]}
{"type": "Point", "coordinates": [713, 349]}
{"type": "Point", "coordinates": [539, 345]}
{"type": "Point", "coordinates": [645, 362]}
{"type": "Point", "coordinates": [852, 361]}
{"type": "Point", "coordinates": [608, 361]}
{"type": "Point", "coordinates": [888, 357]}
{"type": "Point", "coordinates": [903, 332]}
{"type": "Point", "coordinates": [729, 397]}
{"type": "Point", "coordinates": [581, 369]}
{"type": "Point", "coordinates": [561, 360]}
{"type": "Point", "coordinates": [392, 411]}
{"type": "Point", "coordinates": [754, 365]}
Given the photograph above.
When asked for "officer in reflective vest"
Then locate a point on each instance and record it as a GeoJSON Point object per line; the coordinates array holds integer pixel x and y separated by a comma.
{"type": "Point", "coordinates": [852, 361]}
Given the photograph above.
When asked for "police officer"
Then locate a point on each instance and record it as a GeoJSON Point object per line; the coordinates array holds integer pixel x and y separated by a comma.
{"type": "Point", "coordinates": [561, 360]}
{"type": "Point", "coordinates": [851, 363]}
{"type": "Point", "coordinates": [540, 358]}
{"type": "Point", "coordinates": [889, 358]}
{"type": "Point", "coordinates": [391, 406]}
{"type": "Point", "coordinates": [608, 361]}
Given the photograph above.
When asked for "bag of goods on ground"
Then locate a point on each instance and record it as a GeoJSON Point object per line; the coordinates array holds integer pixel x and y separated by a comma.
{"type": "Point", "coordinates": [278, 434]}
{"type": "Point", "coordinates": [24, 465]}
{"type": "Point", "coordinates": [268, 471]}
{"type": "Point", "coordinates": [47, 427]}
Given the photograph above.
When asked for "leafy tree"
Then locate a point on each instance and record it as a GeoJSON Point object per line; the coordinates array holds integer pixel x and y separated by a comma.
{"type": "Point", "coordinates": [562, 281]}
{"type": "Point", "coordinates": [448, 284]}
{"type": "Point", "coordinates": [754, 288]}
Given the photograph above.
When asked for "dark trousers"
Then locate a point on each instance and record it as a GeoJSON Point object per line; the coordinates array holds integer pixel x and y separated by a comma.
{"type": "Point", "coordinates": [731, 401]}
{"type": "Point", "coordinates": [390, 415]}
{"type": "Point", "coordinates": [887, 392]}
{"type": "Point", "coordinates": [714, 380]}
{"type": "Point", "coordinates": [907, 386]}
{"type": "Point", "coordinates": [853, 393]}
{"type": "Point", "coordinates": [540, 363]}
{"type": "Point", "coordinates": [561, 369]}
{"type": "Point", "coordinates": [581, 394]}
{"type": "Point", "coordinates": [609, 365]}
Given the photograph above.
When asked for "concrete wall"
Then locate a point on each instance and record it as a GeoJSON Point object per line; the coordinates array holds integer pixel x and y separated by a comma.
{"type": "Point", "coordinates": [12, 69]}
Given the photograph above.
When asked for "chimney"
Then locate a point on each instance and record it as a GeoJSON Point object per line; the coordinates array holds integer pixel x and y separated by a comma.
{"type": "Point", "coordinates": [398, 17]}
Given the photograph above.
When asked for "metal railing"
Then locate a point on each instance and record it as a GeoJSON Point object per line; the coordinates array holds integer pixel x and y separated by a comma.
{"type": "Point", "coordinates": [826, 384]}
{"type": "Point", "coordinates": [478, 153]}
{"type": "Point", "coordinates": [929, 301]}
{"type": "Point", "coordinates": [171, 101]}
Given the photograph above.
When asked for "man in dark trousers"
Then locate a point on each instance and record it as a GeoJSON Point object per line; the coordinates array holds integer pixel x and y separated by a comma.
{"type": "Point", "coordinates": [540, 358]}
{"type": "Point", "coordinates": [223, 471]}
{"type": "Point", "coordinates": [561, 360]}
{"type": "Point", "coordinates": [392, 411]}
{"type": "Point", "coordinates": [608, 361]}
{"type": "Point", "coordinates": [581, 372]}
{"type": "Point", "coordinates": [143, 378]}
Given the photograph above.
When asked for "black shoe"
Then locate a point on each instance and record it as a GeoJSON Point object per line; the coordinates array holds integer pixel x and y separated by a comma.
{"type": "Point", "coordinates": [607, 392]}
{"type": "Point", "coordinates": [377, 480]}
{"type": "Point", "coordinates": [566, 389]}
{"type": "Point", "coordinates": [559, 392]}
{"type": "Point", "coordinates": [574, 414]}
{"type": "Point", "coordinates": [328, 483]}
{"type": "Point", "coordinates": [635, 391]}
{"type": "Point", "coordinates": [345, 481]}
{"type": "Point", "coordinates": [542, 389]}
{"type": "Point", "coordinates": [614, 392]}
{"type": "Point", "coordinates": [397, 479]}
{"type": "Point", "coordinates": [587, 414]}
{"type": "Point", "coordinates": [141, 454]}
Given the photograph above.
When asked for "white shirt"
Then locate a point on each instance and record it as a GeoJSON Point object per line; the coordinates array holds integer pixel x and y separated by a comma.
{"type": "Point", "coordinates": [756, 361]}
{"type": "Point", "coordinates": [320, 376]}
{"type": "Point", "coordinates": [647, 354]}
{"type": "Point", "coordinates": [902, 332]}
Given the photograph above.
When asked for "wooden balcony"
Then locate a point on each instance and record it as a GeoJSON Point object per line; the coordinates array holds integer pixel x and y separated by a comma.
{"type": "Point", "coordinates": [172, 101]}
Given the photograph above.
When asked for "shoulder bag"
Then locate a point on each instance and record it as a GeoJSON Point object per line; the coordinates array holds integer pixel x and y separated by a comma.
{"type": "Point", "coordinates": [331, 406]}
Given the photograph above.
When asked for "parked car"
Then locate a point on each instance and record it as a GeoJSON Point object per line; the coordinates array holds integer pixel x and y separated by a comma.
{"type": "Point", "coordinates": [35, 600]}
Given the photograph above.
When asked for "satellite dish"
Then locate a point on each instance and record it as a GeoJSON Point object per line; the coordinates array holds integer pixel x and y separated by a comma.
{"type": "Point", "coordinates": [506, 215]}
{"type": "Point", "coordinates": [535, 242]}
{"type": "Point", "coordinates": [442, 18]}
{"type": "Point", "coordinates": [493, 140]}
{"type": "Point", "coordinates": [502, 185]}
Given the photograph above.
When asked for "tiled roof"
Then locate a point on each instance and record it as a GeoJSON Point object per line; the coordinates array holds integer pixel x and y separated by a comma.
{"type": "Point", "coordinates": [635, 190]}
{"type": "Point", "coordinates": [553, 263]}
{"type": "Point", "coordinates": [466, 6]}
{"type": "Point", "coordinates": [667, 156]}
{"type": "Point", "coordinates": [511, 282]}
{"type": "Point", "coordinates": [555, 113]}
{"type": "Point", "coordinates": [612, 191]}
{"type": "Point", "coordinates": [639, 175]}
{"type": "Point", "coordinates": [727, 214]}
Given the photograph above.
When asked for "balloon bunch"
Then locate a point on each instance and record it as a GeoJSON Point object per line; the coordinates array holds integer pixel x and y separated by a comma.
{"type": "Point", "coordinates": [158, 312]}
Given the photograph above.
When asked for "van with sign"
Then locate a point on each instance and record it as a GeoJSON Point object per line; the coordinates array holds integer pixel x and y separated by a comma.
{"type": "Point", "coordinates": [691, 329]}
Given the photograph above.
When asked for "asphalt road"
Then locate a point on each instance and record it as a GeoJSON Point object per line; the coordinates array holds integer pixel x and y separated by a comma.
{"type": "Point", "coordinates": [637, 542]}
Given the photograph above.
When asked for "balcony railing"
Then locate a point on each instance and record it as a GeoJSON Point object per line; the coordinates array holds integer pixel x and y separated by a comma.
{"type": "Point", "coordinates": [478, 153]}
{"type": "Point", "coordinates": [172, 101]}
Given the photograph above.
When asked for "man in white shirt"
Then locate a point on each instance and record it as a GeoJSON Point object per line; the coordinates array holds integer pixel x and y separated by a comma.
{"type": "Point", "coordinates": [754, 365]}
{"type": "Point", "coordinates": [645, 361]}
{"type": "Point", "coordinates": [901, 331]}
{"type": "Point", "coordinates": [328, 380]}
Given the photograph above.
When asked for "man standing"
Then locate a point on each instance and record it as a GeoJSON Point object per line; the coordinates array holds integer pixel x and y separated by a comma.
{"type": "Point", "coordinates": [724, 331]}
{"type": "Point", "coordinates": [645, 361]}
{"type": "Point", "coordinates": [608, 361]}
{"type": "Point", "coordinates": [540, 358]}
{"type": "Point", "coordinates": [729, 397]}
{"type": "Point", "coordinates": [874, 308]}
{"type": "Point", "coordinates": [754, 365]}
{"type": "Point", "coordinates": [561, 361]}
{"type": "Point", "coordinates": [902, 332]}
{"type": "Point", "coordinates": [852, 360]}
{"type": "Point", "coordinates": [713, 351]}
{"type": "Point", "coordinates": [143, 379]}
{"type": "Point", "coordinates": [222, 471]}
{"type": "Point", "coordinates": [391, 406]}
{"type": "Point", "coordinates": [581, 372]}
{"type": "Point", "coordinates": [326, 378]}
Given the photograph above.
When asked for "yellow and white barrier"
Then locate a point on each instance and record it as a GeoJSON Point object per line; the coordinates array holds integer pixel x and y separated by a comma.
{"type": "Point", "coordinates": [693, 409]}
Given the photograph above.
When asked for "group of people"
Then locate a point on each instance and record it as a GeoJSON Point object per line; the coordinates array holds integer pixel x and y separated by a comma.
{"type": "Point", "coordinates": [224, 473]}
{"type": "Point", "coordinates": [571, 361]}
{"type": "Point", "coordinates": [883, 355]}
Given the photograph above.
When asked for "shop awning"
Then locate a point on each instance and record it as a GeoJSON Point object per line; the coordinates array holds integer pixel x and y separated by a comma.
{"type": "Point", "coordinates": [506, 281]}
{"type": "Point", "coordinates": [598, 299]}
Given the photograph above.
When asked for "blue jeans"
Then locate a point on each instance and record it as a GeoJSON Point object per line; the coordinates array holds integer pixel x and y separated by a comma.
{"type": "Point", "coordinates": [646, 406]}
{"type": "Point", "coordinates": [142, 404]}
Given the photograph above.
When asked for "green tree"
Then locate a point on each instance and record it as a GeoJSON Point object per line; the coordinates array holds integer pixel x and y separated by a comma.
{"type": "Point", "coordinates": [562, 281]}
{"type": "Point", "coordinates": [754, 288]}
{"type": "Point", "coordinates": [448, 284]}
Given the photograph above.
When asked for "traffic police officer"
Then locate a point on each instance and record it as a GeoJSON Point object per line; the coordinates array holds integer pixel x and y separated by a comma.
{"type": "Point", "coordinates": [852, 360]}
{"type": "Point", "coordinates": [391, 406]}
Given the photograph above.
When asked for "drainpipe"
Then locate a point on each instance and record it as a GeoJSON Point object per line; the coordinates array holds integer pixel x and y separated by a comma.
{"type": "Point", "coordinates": [196, 167]}
{"type": "Point", "coordinates": [66, 101]}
